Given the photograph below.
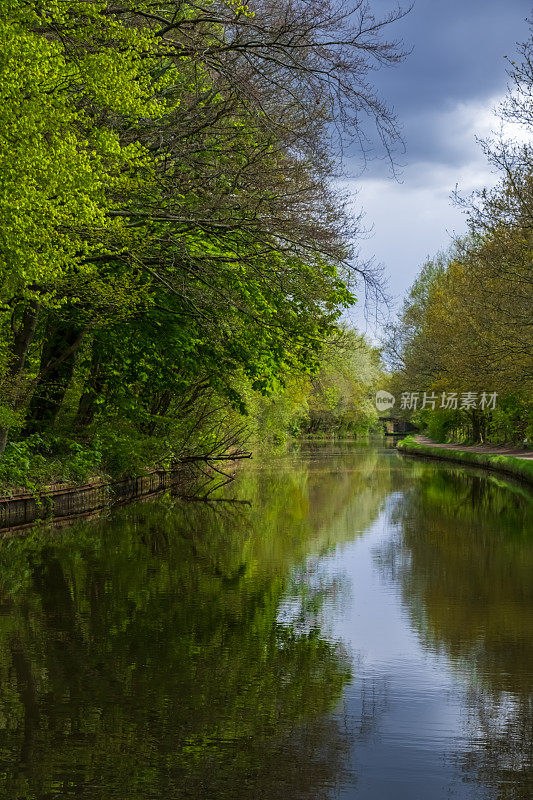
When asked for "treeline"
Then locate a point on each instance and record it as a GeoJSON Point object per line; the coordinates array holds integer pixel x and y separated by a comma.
{"type": "Point", "coordinates": [337, 400]}
{"type": "Point", "coordinates": [466, 327]}
{"type": "Point", "coordinates": [172, 249]}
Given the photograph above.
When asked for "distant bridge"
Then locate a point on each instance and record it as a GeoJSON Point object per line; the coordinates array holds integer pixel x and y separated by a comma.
{"type": "Point", "coordinates": [397, 426]}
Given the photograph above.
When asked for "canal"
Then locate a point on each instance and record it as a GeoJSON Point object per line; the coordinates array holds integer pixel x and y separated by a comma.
{"type": "Point", "coordinates": [345, 623]}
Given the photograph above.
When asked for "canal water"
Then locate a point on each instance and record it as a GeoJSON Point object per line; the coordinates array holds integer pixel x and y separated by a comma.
{"type": "Point", "coordinates": [344, 622]}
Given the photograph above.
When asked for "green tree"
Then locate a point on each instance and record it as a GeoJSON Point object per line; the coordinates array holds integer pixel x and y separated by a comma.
{"type": "Point", "coordinates": [175, 232]}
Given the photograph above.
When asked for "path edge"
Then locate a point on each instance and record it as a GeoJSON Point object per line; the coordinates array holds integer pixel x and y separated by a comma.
{"type": "Point", "coordinates": [521, 469]}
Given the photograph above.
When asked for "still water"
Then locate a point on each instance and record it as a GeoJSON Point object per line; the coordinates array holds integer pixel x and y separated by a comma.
{"type": "Point", "coordinates": [354, 625]}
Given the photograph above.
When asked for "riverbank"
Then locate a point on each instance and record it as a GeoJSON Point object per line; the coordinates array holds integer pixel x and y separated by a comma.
{"type": "Point", "coordinates": [510, 461]}
{"type": "Point", "coordinates": [62, 501]}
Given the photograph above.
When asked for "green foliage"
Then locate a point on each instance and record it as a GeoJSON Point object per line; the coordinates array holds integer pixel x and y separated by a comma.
{"type": "Point", "coordinates": [21, 465]}
{"type": "Point", "coordinates": [335, 399]}
{"type": "Point", "coordinates": [466, 323]}
{"type": "Point", "coordinates": [60, 164]}
{"type": "Point", "coordinates": [439, 424]}
{"type": "Point", "coordinates": [172, 253]}
{"type": "Point", "coordinates": [342, 397]}
{"type": "Point", "coordinates": [38, 460]}
{"type": "Point", "coordinates": [463, 330]}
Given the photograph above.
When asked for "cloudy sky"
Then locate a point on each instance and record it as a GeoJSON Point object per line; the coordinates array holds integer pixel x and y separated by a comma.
{"type": "Point", "coordinates": [443, 94]}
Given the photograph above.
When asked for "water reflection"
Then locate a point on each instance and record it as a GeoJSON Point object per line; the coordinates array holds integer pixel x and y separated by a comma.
{"type": "Point", "coordinates": [359, 628]}
{"type": "Point", "coordinates": [463, 556]}
{"type": "Point", "coordinates": [143, 656]}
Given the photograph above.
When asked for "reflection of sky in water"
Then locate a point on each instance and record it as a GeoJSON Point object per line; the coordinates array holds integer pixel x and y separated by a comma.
{"type": "Point", "coordinates": [151, 649]}
{"type": "Point", "coordinates": [407, 706]}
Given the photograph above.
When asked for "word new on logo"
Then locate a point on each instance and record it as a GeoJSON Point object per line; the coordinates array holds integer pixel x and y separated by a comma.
{"type": "Point", "coordinates": [384, 400]}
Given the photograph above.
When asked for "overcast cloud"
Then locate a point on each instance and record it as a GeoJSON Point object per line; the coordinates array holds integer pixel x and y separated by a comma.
{"type": "Point", "coordinates": [443, 95]}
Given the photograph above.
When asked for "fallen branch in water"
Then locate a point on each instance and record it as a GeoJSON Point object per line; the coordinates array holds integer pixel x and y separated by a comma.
{"type": "Point", "coordinates": [222, 457]}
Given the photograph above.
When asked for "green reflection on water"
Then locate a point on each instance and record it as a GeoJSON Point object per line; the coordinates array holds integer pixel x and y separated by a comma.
{"type": "Point", "coordinates": [142, 656]}
{"type": "Point", "coordinates": [464, 559]}
{"type": "Point", "coordinates": [468, 578]}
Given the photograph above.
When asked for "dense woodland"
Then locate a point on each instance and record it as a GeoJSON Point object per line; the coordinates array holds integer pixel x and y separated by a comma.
{"type": "Point", "coordinates": [175, 259]}
{"type": "Point", "coordinates": [467, 324]}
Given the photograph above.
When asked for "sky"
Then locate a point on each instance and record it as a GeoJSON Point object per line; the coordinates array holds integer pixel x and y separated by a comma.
{"type": "Point", "coordinates": [443, 94]}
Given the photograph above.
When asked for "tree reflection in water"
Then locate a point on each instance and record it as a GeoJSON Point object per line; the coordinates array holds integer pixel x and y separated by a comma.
{"type": "Point", "coordinates": [463, 556]}
{"type": "Point", "coordinates": [184, 650]}
{"type": "Point", "coordinates": [143, 656]}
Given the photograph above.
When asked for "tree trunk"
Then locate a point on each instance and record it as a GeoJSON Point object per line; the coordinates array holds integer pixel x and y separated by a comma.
{"type": "Point", "coordinates": [159, 407]}
{"type": "Point", "coordinates": [476, 426]}
{"type": "Point", "coordinates": [62, 341]}
{"type": "Point", "coordinates": [94, 388]}
{"type": "Point", "coordinates": [22, 339]}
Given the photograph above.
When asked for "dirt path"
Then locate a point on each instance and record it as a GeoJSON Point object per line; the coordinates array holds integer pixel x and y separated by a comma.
{"type": "Point", "coordinates": [493, 450]}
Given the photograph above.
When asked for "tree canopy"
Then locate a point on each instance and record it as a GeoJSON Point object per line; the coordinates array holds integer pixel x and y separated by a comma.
{"type": "Point", "coordinates": [170, 224]}
{"type": "Point", "coordinates": [466, 325]}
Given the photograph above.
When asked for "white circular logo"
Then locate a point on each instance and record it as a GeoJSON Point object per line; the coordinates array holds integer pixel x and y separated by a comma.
{"type": "Point", "coordinates": [384, 400]}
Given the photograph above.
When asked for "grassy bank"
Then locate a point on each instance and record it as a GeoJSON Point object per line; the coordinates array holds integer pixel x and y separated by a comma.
{"type": "Point", "coordinates": [517, 467]}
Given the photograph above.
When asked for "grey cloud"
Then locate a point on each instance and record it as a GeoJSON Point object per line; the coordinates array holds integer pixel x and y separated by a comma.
{"type": "Point", "coordinates": [442, 95]}
{"type": "Point", "coordinates": [459, 50]}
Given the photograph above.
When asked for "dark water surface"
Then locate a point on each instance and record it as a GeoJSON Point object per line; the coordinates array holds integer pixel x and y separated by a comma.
{"type": "Point", "coordinates": [362, 628]}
